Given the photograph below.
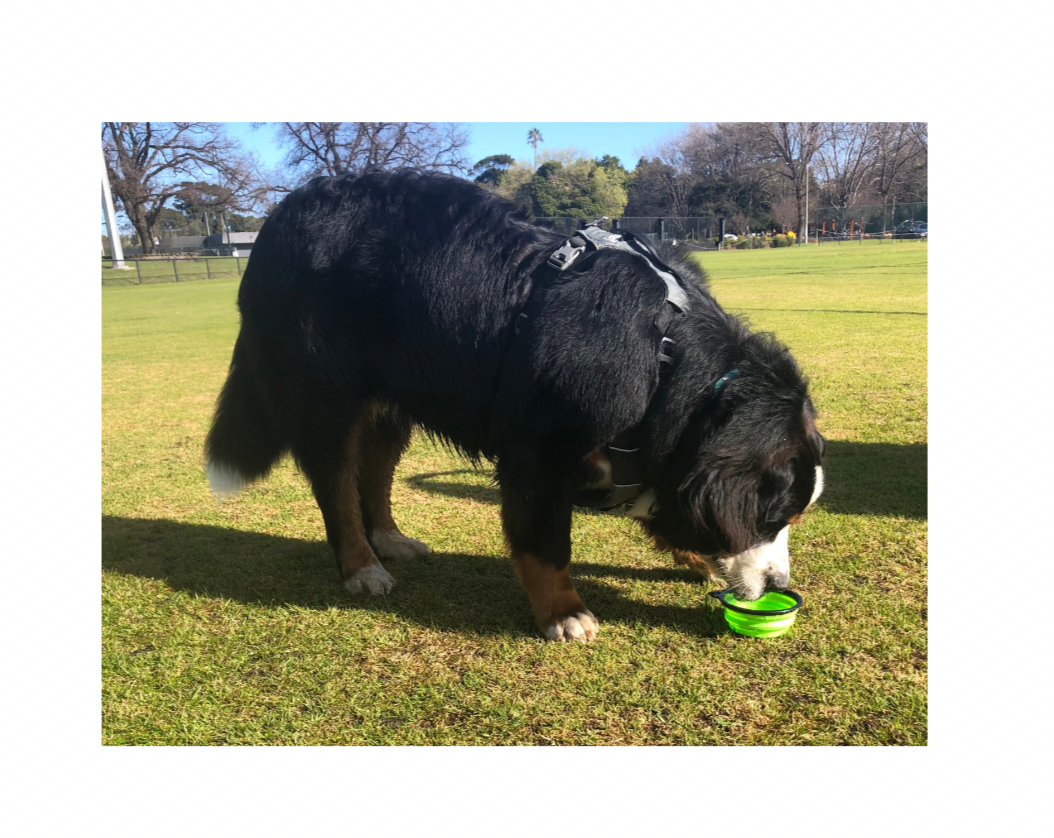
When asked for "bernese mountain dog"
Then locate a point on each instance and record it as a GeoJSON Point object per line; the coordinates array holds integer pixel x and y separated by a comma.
{"type": "Point", "coordinates": [591, 369]}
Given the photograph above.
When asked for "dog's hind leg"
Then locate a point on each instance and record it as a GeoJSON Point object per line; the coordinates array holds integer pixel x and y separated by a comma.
{"type": "Point", "coordinates": [536, 514]}
{"type": "Point", "coordinates": [333, 466]}
{"type": "Point", "coordinates": [383, 441]}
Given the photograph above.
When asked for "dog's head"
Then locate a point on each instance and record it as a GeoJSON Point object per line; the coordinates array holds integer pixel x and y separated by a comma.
{"type": "Point", "coordinates": [746, 465]}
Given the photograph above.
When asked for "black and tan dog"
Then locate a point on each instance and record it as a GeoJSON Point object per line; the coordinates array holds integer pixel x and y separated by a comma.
{"type": "Point", "coordinates": [588, 369]}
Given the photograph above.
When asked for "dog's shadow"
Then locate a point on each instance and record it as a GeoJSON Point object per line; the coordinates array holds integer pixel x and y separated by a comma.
{"type": "Point", "coordinates": [446, 591]}
{"type": "Point", "coordinates": [489, 493]}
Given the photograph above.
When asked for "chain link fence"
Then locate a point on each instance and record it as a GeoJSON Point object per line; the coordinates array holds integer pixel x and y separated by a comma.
{"type": "Point", "coordinates": [699, 230]}
{"type": "Point", "coordinates": [877, 221]}
{"type": "Point", "coordinates": [894, 222]}
{"type": "Point", "coordinates": [826, 224]}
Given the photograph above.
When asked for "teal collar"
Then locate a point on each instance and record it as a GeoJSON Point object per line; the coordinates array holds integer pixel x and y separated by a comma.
{"type": "Point", "coordinates": [724, 379]}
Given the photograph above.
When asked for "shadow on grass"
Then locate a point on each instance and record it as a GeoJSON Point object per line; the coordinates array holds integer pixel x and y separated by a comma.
{"type": "Point", "coordinates": [836, 311]}
{"type": "Point", "coordinates": [468, 491]}
{"type": "Point", "coordinates": [444, 591]}
{"type": "Point", "coordinates": [860, 479]}
{"type": "Point", "coordinates": [875, 479]}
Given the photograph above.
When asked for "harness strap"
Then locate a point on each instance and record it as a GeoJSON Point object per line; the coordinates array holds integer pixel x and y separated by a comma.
{"type": "Point", "coordinates": [627, 470]}
{"type": "Point", "coordinates": [593, 237]}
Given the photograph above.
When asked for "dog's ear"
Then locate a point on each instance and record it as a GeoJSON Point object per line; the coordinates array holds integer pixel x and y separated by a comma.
{"type": "Point", "coordinates": [817, 445]}
{"type": "Point", "coordinates": [725, 503]}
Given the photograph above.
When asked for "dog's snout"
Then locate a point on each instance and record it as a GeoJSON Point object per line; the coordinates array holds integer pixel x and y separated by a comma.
{"type": "Point", "coordinates": [777, 580]}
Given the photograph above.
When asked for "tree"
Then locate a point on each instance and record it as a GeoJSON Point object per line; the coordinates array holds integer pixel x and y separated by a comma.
{"type": "Point", "coordinates": [203, 201]}
{"type": "Point", "coordinates": [729, 174]}
{"type": "Point", "coordinates": [149, 164]}
{"type": "Point", "coordinates": [580, 188]}
{"type": "Point", "coordinates": [845, 160]}
{"type": "Point", "coordinates": [490, 170]}
{"type": "Point", "coordinates": [515, 185]}
{"type": "Point", "coordinates": [651, 189]}
{"type": "Point", "coordinates": [791, 147]}
{"type": "Point", "coordinates": [899, 167]}
{"type": "Point", "coordinates": [334, 148]}
{"type": "Point", "coordinates": [534, 136]}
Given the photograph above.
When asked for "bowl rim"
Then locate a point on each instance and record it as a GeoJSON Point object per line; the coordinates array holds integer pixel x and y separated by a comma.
{"type": "Point", "coordinates": [721, 595]}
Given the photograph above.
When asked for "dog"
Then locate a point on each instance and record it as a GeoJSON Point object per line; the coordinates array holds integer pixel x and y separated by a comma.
{"type": "Point", "coordinates": [589, 369]}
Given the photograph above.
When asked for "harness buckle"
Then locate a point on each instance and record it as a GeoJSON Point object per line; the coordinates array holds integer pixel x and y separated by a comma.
{"type": "Point", "coordinates": [666, 350]}
{"type": "Point", "coordinates": [561, 260]}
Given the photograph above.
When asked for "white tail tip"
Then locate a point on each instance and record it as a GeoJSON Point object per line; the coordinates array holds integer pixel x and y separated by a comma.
{"type": "Point", "coordinates": [224, 480]}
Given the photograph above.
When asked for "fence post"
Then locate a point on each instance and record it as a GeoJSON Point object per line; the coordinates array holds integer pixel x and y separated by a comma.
{"type": "Point", "coordinates": [175, 269]}
{"type": "Point", "coordinates": [138, 272]}
{"type": "Point", "coordinates": [208, 273]}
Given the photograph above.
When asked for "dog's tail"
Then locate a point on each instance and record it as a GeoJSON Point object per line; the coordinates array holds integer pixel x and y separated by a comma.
{"type": "Point", "coordinates": [243, 443]}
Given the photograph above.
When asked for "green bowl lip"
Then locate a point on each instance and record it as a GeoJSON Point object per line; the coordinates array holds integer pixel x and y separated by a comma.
{"type": "Point", "coordinates": [721, 595]}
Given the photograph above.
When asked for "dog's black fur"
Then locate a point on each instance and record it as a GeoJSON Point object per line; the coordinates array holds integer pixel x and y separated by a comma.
{"type": "Point", "coordinates": [396, 294]}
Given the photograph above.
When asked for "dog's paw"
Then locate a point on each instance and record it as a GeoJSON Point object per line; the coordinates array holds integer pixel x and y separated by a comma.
{"type": "Point", "coordinates": [371, 580]}
{"type": "Point", "coordinates": [394, 545]}
{"type": "Point", "coordinates": [582, 627]}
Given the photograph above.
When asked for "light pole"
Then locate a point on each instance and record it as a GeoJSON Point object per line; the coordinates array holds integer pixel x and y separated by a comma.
{"type": "Point", "coordinates": [116, 251]}
{"type": "Point", "coordinates": [806, 204]}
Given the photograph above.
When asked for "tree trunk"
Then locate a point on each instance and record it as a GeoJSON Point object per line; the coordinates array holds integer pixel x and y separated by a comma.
{"type": "Point", "coordinates": [143, 228]}
{"type": "Point", "coordinates": [799, 198]}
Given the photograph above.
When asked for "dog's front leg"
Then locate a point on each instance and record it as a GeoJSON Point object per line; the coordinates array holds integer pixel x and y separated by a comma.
{"type": "Point", "coordinates": [537, 484]}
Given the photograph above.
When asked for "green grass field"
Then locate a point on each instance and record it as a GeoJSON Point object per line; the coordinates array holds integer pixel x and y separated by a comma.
{"type": "Point", "coordinates": [228, 625]}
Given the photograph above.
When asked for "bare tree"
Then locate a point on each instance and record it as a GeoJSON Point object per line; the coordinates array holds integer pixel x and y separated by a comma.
{"type": "Point", "coordinates": [792, 147]}
{"type": "Point", "coordinates": [334, 148]}
{"type": "Point", "coordinates": [731, 173]}
{"type": "Point", "coordinates": [674, 176]}
{"type": "Point", "coordinates": [900, 151]}
{"type": "Point", "coordinates": [150, 163]}
{"type": "Point", "coordinates": [845, 160]}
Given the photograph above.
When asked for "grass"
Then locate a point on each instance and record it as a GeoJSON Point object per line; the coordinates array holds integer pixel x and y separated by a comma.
{"type": "Point", "coordinates": [227, 624]}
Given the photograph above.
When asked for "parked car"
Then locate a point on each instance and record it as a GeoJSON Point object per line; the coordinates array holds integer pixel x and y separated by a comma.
{"type": "Point", "coordinates": [911, 230]}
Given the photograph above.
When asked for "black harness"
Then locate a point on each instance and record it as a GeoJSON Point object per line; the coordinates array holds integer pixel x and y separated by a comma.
{"type": "Point", "coordinates": [623, 452]}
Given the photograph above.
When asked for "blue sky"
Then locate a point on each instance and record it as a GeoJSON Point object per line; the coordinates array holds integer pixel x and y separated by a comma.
{"type": "Point", "coordinates": [625, 140]}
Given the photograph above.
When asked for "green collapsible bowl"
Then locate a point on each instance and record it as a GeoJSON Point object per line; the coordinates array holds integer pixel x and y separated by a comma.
{"type": "Point", "coordinates": [770, 616]}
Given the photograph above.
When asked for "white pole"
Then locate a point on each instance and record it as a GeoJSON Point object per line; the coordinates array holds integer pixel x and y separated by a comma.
{"type": "Point", "coordinates": [116, 251]}
{"type": "Point", "coordinates": [806, 205]}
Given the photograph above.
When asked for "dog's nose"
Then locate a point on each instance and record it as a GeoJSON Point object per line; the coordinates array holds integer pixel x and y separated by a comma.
{"type": "Point", "coordinates": [776, 580]}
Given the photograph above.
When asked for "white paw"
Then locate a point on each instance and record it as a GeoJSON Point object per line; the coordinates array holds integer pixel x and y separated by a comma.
{"type": "Point", "coordinates": [582, 627]}
{"type": "Point", "coordinates": [371, 580]}
{"type": "Point", "coordinates": [395, 545]}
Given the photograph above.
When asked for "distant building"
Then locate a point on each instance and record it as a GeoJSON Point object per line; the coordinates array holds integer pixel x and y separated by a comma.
{"type": "Point", "coordinates": [178, 244]}
{"type": "Point", "coordinates": [225, 242]}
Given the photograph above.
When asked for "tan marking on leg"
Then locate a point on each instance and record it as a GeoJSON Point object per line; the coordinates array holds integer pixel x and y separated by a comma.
{"type": "Point", "coordinates": [700, 564]}
{"type": "Point", "coordinates": [558, 609]}
{"type": "Point", "coordinates": [359, 566]}
{"type": "Point", "coordinates": [383, 443]}
{"type": "Point", "coordinates": [381, 449]}
{"type": "Point", "coordinates": [705, 566]}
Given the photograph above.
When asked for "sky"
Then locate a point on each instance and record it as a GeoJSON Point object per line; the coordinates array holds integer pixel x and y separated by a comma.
{"type": "Point", "coordinates": [625, 140]}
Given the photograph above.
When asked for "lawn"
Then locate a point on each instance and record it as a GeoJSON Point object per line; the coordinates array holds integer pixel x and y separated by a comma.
{"type": "Point", "coordinates": [226, 624]}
